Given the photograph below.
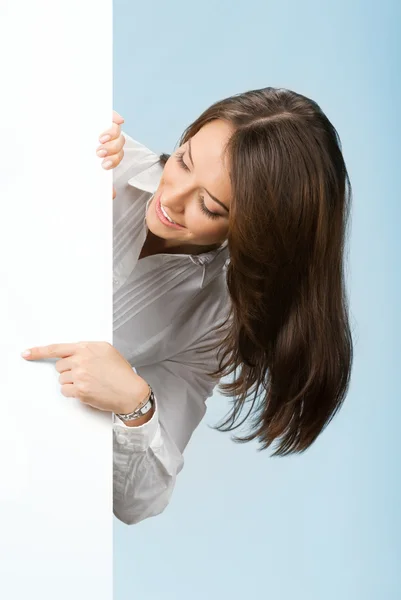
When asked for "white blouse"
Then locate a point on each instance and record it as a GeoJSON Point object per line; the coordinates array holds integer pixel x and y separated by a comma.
{"type": "Point", "coordinates": [166, 308]}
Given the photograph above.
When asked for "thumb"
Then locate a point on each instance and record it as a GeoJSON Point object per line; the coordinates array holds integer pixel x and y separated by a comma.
{"type": "Point", "coordinates": [118, 119]}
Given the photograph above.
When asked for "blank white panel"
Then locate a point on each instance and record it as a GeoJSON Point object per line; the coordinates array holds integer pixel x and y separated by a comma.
{"type": "Point", "coordinates": [55, 287]}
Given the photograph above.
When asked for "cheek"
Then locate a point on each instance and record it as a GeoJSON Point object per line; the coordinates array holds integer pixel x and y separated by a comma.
{"type": "Point", "coordinates": [206, 230]}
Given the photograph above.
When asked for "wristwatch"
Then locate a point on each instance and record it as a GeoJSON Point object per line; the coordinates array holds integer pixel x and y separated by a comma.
{"type": "Point", "coordinates": [141, 410]}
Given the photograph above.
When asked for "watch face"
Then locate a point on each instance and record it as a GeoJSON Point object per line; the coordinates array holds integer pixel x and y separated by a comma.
{"type": "Point", "coordinates": [142, 411]}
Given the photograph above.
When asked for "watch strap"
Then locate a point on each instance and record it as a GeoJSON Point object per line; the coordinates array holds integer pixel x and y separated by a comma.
{"type": "Point", "coordinates": [141, 410]}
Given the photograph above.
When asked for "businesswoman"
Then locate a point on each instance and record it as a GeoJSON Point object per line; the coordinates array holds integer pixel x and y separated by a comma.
{"type": "Point", "coordinates": [228, 261]}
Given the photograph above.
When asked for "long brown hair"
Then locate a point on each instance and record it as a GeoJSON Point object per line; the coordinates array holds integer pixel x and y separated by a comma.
{"type": "Point", "coordinates": [289, 342]}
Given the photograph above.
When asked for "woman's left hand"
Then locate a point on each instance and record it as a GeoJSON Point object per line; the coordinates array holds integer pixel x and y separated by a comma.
{"type": "Point", "coordinates": [112, 145]}
{"type": "Point", "coordinates": [95, 373]}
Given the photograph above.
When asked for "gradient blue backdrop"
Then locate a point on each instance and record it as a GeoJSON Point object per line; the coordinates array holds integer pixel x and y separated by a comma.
{"type": "Point", "coordinates": [324, 525]}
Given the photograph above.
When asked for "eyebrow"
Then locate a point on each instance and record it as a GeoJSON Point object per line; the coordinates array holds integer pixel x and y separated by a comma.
{"type": "Point", "coordinates": [211, 195]}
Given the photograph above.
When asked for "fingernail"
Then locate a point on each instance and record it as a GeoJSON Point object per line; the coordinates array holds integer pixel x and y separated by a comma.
{"type": "Point", "coordinates": [107, 164]}
{"type": "Point", "coordinates": [101, 153]}
{"type": "Point", "coordinates": [26, 353]}
{"type": "Point", "coordinates": [104, 139]}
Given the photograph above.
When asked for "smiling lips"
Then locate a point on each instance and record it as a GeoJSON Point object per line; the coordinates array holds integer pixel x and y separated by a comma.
{"type": "Point", "coordinates": [165, 214]}
{"type": "Point", "coordinates": [164, 219]}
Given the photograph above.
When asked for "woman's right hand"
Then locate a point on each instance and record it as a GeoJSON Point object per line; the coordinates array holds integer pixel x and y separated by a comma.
{"type": "Point", "coordinates": [112, 144]}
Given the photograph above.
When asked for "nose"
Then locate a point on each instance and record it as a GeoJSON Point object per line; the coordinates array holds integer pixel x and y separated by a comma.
{"type": "Point", "coordinates": [175, 199]}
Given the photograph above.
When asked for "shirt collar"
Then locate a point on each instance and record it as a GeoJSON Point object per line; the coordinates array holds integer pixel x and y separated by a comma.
{"type": "Point", "coordinates": [148, 181]}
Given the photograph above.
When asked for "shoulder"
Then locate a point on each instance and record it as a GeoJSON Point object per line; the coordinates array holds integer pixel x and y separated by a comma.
{"type": "Point", "coordinates": [204, 313]}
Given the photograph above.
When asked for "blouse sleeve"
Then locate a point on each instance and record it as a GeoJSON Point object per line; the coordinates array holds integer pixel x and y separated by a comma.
{"type": "Point", "coordinates": [148, 458]}
{"type": "Point", "coordinates": [137, 158]}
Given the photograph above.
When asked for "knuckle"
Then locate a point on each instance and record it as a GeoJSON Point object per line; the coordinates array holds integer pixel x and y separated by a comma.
{"type": "Point", "coordinates": [80, 374]}
{"type": "Point", "coordinates": [82, 388]}
{"type": "Point", "coordinates": [115, 147]}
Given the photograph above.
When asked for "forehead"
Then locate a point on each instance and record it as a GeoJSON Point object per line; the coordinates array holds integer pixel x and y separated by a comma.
{"type": "Point", "coordinates": [212, 138]}
{"type": "Point", "coordinates": [210, 161]}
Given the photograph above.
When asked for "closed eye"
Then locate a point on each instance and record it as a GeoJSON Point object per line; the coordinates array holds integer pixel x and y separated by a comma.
{"type": "Point", "coordinates": [204, 209]}
{"type": "Point", "coordinates": [179, 156]}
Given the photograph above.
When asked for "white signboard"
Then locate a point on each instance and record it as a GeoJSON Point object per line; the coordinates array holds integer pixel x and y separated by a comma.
{"type": "Point", "coordinates": [55, 287]}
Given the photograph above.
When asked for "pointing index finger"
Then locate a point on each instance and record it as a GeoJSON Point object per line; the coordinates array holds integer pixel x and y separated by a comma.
{"type": "Point", "coordinates": [52, 351]}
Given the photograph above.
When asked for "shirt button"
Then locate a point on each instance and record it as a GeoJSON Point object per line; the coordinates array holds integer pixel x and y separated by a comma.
{"type": "Point", "coordinates": [120, 438]}
{"type": "Point", "coordinates": [115, 281]}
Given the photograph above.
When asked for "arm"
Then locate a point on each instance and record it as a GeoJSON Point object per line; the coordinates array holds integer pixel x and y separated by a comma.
{"type": "Point", "coordinates": [148, 458]}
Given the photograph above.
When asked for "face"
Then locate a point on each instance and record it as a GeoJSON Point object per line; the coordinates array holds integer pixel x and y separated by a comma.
{"type": "Point", "coordinates": [194, 191]}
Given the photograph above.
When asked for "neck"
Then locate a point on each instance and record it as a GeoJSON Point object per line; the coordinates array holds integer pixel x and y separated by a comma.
{"type": "Point", "coordinates": [156, 245]}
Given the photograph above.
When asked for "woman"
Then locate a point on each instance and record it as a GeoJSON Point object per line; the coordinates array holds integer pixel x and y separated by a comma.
{"type": "Point", "coordinates": [228, 259]}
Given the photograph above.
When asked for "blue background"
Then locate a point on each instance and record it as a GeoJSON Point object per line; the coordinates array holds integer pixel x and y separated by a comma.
{"type": "Point", "coordinates": [325, 524]}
